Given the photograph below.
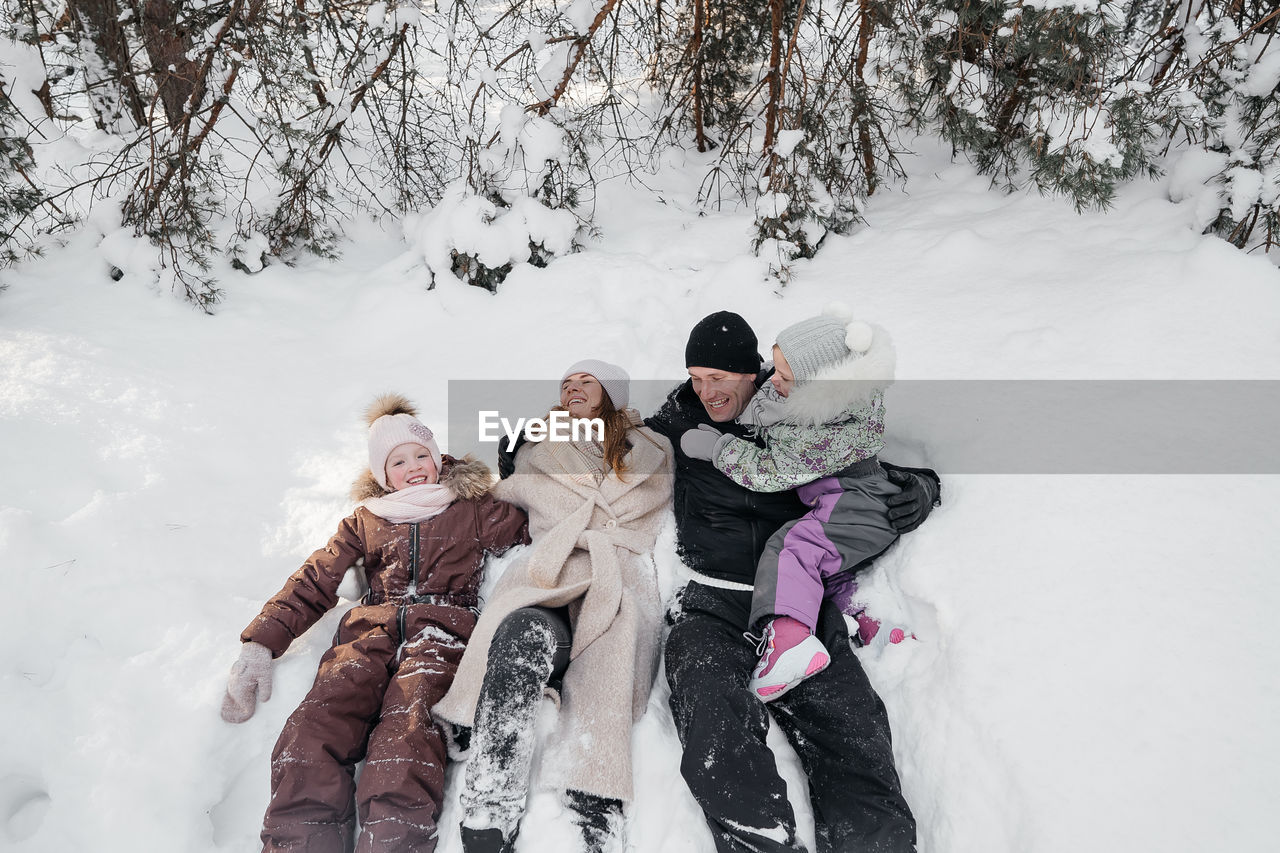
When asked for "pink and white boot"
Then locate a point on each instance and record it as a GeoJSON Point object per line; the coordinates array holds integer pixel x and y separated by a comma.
{"type": "Point", "coordinates": [874, 635]}
{"type": "Point", "coordinates": [789, 653]}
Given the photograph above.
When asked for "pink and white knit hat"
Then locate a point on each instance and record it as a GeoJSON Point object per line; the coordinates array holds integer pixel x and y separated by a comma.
{"type": "Point", "coordinates": [389, 432]}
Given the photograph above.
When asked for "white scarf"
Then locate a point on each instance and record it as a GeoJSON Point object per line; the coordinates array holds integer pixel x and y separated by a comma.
{"type": "Point", "coordinates": [411, 504]}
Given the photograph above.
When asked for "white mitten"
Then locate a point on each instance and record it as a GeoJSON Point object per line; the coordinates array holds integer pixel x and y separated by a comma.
{"type": "Point", "coordinates": [250, 683]}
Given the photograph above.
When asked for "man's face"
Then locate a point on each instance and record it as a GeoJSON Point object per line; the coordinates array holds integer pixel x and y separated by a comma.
{"type": "Point", "coordinates": [723, 394]}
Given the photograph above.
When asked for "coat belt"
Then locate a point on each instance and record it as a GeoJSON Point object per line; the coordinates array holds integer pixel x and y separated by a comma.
{"type": "Point", "coordinates": [466, 600]}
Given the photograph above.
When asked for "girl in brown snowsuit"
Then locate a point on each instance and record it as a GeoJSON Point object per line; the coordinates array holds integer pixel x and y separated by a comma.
{"type": "Point", "coordinates": [423, 527]}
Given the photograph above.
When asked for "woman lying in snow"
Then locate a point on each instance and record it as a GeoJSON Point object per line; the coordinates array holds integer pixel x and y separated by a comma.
{"type": "Point", "coordinates": [423, 527]}
{"type": "Point", "coordinates": [580, 611]}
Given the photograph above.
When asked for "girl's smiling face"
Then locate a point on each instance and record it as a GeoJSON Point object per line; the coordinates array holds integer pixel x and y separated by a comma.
{"type": "Point", "coordinates": [783, 379]}
{"type": "Point", "coordinates": [410, 465]}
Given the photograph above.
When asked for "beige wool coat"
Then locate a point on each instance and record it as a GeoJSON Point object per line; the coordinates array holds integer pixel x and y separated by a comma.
{"type": "Point", "coordinates": [592, 550]}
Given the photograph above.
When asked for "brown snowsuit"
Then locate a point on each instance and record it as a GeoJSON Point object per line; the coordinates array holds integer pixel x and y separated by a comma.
{"type": "Point", "coordinates": [393, 657]}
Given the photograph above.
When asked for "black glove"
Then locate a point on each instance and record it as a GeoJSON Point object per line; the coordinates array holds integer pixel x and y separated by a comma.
{"type": "Point", "coordinates": [909, 508]}
{"type": "Point", "coordinates": [457, 741]}
{"type": "Point", "coordinates": [507, 458]}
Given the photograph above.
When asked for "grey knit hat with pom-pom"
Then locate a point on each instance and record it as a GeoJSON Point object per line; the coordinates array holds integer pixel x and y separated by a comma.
{"type": "Point", "coordinates": [813, 345]}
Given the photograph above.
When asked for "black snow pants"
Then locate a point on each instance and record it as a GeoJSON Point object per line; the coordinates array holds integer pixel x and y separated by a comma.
{"type": "Point", "coordinates": [835, 721]}
{"type": "Point", "coordinates": [529, 651]}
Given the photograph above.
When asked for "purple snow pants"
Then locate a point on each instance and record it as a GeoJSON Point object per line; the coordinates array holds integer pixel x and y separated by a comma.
{"type": "Point", "coordinates": [817, 555]}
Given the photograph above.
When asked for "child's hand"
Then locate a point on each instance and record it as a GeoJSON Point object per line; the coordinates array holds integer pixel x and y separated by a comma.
{"type": "Point", "coordinates": [700, 443]}
{"type": "Point", "coordinates": [250, 683]}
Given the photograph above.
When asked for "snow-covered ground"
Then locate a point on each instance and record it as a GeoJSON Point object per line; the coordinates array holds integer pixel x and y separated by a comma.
{"type": "Point", "coordinates": [1095, 667]}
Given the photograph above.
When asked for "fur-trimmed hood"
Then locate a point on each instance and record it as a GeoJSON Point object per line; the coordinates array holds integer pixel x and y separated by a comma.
{"type": "Point", "coordinates": [468, 477]}
{"type": "Point", "coordinates": [845, 386]}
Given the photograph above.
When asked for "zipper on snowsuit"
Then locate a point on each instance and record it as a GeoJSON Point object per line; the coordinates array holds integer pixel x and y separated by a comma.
{"type": "Point", "coordinates": [413, 563]}
{"type": "Point", "coordinates": [411, 593]}
{"type": "Point", "coordinates": [400, 620]}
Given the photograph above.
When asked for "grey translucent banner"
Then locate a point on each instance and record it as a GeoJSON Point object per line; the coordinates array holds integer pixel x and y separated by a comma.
{"type": "Point", "coordinates": [995, 426]}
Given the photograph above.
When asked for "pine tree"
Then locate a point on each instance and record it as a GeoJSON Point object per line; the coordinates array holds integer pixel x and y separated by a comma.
{"type": "Point", "coordinates": [246, 130]}
{"type": "Point", "coordinates": [101, 30]}
{"type": "Point", "coordinates": [525, 128]}
{"type": "Point", "coordinates": [183, 186]}
{"type": "Point", "coordinates": [1026, 89]}
{"type": "Point", "coordinates": [1216, 66]}
{"type": "Point", "coordinates": [834, 138]}
{"type": "Point", "coordinates": [709, 67]}
{"type": "Point", "coordinates": [19, 197]}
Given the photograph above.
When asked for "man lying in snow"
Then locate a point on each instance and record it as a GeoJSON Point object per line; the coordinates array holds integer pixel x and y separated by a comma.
{"type": "Point", "coordinates": [816, 426]}
{"type": "Point", "coordinates": [836, 723]}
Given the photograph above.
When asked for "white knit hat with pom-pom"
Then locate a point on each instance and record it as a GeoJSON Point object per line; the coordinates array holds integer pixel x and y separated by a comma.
{"type": "Point", "coordinates": [392, 422]}
{"type": "Point", "coordinates": [813, 345]}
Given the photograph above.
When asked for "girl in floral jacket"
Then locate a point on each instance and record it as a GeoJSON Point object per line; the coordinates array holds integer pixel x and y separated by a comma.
{"type": "Point", "coordinates": [820, 425]}
{"type": "Point", "coordinates": [422, 529]}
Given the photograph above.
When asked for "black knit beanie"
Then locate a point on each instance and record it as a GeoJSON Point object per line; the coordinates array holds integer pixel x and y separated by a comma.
{"type": "Point", "coordinates": [723, 341]}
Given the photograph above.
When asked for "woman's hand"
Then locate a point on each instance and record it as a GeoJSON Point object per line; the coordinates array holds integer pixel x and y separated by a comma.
{"type": "Point", "coordinates": [507, 457]}
{"type": "Point", "coordinates": [250, 683]}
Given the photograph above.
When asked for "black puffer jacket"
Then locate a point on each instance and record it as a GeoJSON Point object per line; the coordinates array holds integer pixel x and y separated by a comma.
{"type": "Point", "coordinates": [722, 527]}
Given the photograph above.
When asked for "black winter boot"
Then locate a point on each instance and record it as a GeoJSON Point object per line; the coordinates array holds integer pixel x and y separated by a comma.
{"type": "Point", "coordinates": [486, 841]}
{"type": "Point", "coordinates": [599, 818]}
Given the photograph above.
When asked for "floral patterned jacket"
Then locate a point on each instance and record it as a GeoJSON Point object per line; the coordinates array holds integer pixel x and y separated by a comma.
{"type": "Point", "coordinates": [797, 453]}
{"type": "Point", "coordinates": [827, 424]}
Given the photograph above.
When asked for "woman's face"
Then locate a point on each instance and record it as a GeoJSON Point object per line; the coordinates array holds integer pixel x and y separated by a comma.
{"type": "Point", "coordinates": [582, 395]}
